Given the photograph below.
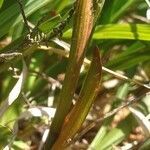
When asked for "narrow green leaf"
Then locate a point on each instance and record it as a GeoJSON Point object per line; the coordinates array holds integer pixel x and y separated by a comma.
{"type": "Point", "coordinates": [11, 16]}
{"type": "Point", "coordinates": [113, 10]}
{"type": "Point", "coordinates": [145, 145]}
{"type": "Point", "coordinates": [102, 135]}
{"type": "Point", "coordinates": [20, 145]}
{"type": "Point", "coordinates": [120, 31]}
{"type": "Point", "coordinates": [99, 136]}
{"type": "Point", "coordinates": [31, 7]}
{"type": "Point", "coordinates": [17, 31]}
{"type": "Point", "coordinates": [130, 57]}
{"type": "Point", "coordinates": [131, 61]}
{"type": "Point", "coordinates": [60, 5]}
{"type": "Point", "coordinates": [119, 8]}
{"type": "Point", "coordinates": [8, 13]}
{"type": "Point", "coordinates": [123, 31]}
{"type": "Point", "coordinates": [1, 3]}
{"type": "Point", "coordinates": [5, 135]}
{"type": "Point", "coordinates": [49, 24]}
{"type": "Point", "coordinates": [122, 131]}
{"type": "Point", "coordinates": [132, 50]}
{"type": "Point", "coordinates": [122, 91]}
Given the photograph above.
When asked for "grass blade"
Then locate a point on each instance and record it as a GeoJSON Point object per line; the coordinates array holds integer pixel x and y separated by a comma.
{"type": "Point", "coordinates": [1, 3]}
{"type": "Point", "coordinates": [120, 31]}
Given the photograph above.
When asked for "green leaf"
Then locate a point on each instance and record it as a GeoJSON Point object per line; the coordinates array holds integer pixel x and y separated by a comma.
{"type": "Point", "coordinates": [1, 3]}
{"type": "Point", "coordinates": [100, 135]}
{"type": "Point", "coordinates": [49, 24]}
{"type": "Point", "coordinates": [145, 145]}
{"type": "Point", "coordinates": [11, 16]}
{"type": "Point", "coordinates": [120, 132]}
{"type": "Point", "coordinates": [123, 31]}
{"type": "Point", "coordinates": [17, 31]}
{"type": "Point", "coordinates": [60, 5]}
{"type": "Point", "coordinates": [113, 10]}
{"type": "Point", "coordinates": [103, 132]}
{"type": "Point", "coordinates": [20, 145]}
{"type": "Point", "coordinates": [130, 60]}
{"type": "Point", "coordinates": [120, 31]}
{"type": "Point", "coordinates": [5, 135]}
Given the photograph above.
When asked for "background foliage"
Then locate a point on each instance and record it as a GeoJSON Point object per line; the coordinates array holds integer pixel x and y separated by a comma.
{"type": "Point", "coordinates": [122, 34]}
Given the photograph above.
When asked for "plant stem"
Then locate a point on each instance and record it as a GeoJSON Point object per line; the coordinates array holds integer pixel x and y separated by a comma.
{"type": "Point", "coordinates": [82, 29]}
{"type": "Point", "coordinates": [87, 95]}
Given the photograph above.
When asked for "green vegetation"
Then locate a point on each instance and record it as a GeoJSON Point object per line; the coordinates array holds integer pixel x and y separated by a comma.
{"type": "Point", "coordinates": [74, 74]}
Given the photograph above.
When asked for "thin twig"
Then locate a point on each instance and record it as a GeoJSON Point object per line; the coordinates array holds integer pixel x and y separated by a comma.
{"type": "Point", "coordinates": [26, 100]}
{"type": "Point", "coordinates": [125, 78]}
{"type": "Point", "coordinates": [46, 77]}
